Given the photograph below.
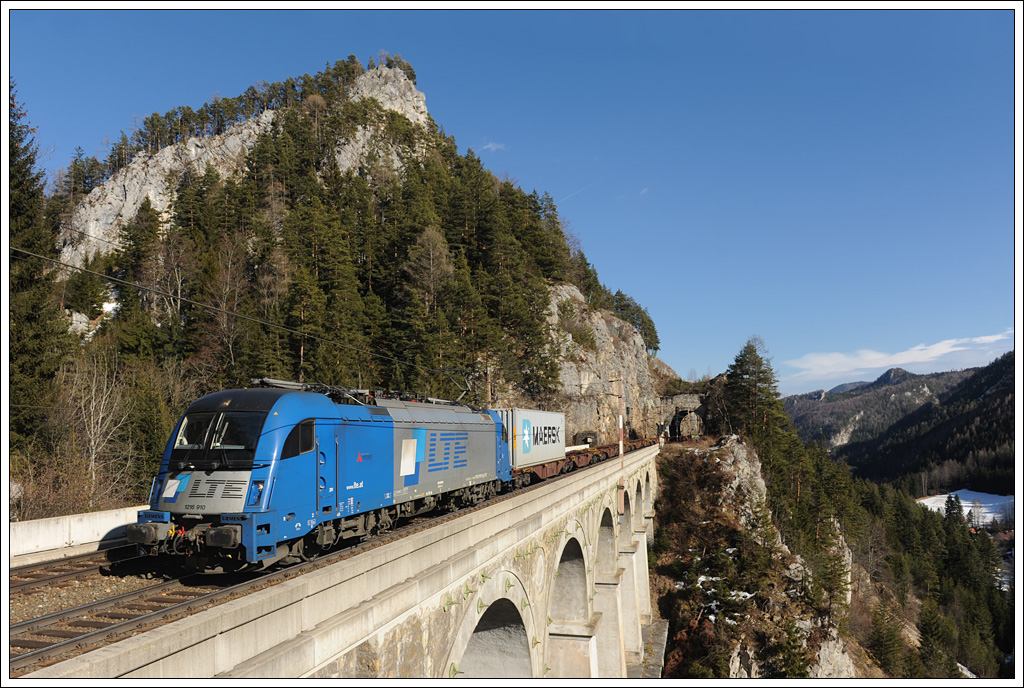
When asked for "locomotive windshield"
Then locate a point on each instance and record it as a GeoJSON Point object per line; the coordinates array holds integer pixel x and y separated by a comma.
{"type": "Point", "coordinates": [212, 440]}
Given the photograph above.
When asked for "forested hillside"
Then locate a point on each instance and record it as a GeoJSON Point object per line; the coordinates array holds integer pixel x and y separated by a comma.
{"type": "Point", "coordinates": [417, 270]}
{"type": "Point", "coordinates": [966, 440]}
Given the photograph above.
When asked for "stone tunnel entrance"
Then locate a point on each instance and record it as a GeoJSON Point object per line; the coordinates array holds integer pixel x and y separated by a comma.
{"type": "Point", "coordinates": [499, 647]}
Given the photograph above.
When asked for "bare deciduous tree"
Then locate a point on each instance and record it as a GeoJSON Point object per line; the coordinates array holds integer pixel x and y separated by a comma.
{"type": "Point", "coordinates": [272, 280]}
{"type": "Point", "coordinates": [229, 288]}
{"type": "Point", "coordinates": [316, 106]}
{"type": "Point", "coordinates": [90, 419]}
{"type": "Point", "coordinates": [173, 268]}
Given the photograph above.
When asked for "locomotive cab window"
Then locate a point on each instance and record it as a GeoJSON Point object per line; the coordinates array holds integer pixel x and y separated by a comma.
{"type": "Point", "coordinates": [300, 440]}
{"type": "Point", "coordinates": [192, 434]}
{"type": "Point", "coordinates": [221, 439]}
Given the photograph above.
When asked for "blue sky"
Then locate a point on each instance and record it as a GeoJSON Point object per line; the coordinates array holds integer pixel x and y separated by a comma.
{"type": "Point", "coordinates": [839, 183]}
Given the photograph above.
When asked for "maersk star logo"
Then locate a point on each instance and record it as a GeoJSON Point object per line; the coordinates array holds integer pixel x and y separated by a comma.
{"type": "Point", "coordinates": [526, 437]}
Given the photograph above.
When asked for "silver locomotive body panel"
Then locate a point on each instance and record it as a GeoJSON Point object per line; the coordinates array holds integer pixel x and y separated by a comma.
{"type": "Point", "coordinates": [204, 492]}
{"type": "Point", "coordinates": [438, 448]}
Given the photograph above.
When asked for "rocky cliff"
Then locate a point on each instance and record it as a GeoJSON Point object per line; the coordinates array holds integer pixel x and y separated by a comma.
{"type": "Point", "coordinates": [95, 224]}
{"type": "Point", "coordinates": [747, 612]}
{"type": "Point", "coordinates": [602, 360]}
{"type": "Point", "coordinates": [746, 493]}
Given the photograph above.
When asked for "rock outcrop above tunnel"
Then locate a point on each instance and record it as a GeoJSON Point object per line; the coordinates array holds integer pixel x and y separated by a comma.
{"type": "Point", "coordinates": [602, 361]}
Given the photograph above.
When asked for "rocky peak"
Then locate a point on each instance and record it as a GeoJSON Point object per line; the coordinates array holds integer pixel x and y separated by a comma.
{"type": "Point", "coordinates": [394, 91]}
{"type": "Point", "coordinates": [893, 376]}
{"type": "Point", "coordinates": [95, 224]}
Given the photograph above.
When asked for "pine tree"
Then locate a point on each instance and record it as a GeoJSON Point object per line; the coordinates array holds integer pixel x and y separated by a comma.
{"type": "Point", "coordinates": [138, 242]}
{"type": "Point", "coordinates": [39, 341]}
{"type": "Point", "coordinates": [937, 636]}
{"type": "Point", "coordinates": [751, 392]}
{"type": "Point", "coordinates": [791, 658]}
{"type": "Point", "coordinates": [306, 313]}
{"type": "Point", "coordinates": [886, 640]}
{"type": "Point", "coordinates": [86, 290]}
{"type": "Point", "coordinates": [753, 408]}
{"type": "Point", "coordinates": [831, 575]}
{"type": "Point", "coordinates": [429, 268]}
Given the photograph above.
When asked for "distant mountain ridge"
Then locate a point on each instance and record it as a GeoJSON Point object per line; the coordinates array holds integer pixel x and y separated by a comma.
{"type": "Point", "coordinates": [893, 376]}
{"type": "Point", "coordinates": [860, 411]}
{"type": "Point", "coordinates": [964, 440]}
{"type": "Point", "coordinates": [847, 387]}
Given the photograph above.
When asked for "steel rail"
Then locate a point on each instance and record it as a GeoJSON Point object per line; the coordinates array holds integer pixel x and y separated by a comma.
{"type": "Point", "coordinates": [81, 567]}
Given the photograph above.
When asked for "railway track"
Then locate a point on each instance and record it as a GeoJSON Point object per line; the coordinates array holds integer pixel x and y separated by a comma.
{"type": "Point", "coordinates": [24, 579]}
{"type": "Point", "coordinates": [53, 638]}
{"type": "Point", "coordinates": [39, 642]}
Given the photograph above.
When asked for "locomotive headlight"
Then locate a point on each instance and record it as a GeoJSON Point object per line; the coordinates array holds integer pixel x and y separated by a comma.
{"type": "Point", "coordinates": [255, 493]}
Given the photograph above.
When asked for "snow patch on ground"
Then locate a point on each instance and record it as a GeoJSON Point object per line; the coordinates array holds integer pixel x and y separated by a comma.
{"type": "Point", "coordinates": [991, 505]}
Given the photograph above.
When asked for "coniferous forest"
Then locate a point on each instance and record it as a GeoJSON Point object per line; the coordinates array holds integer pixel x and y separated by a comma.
{"type": "Point", "coordinates": [936, 571]}
{"type": "Point", "coordinates": [428, 277]}
{"type": "Point", "coordinates": [966, 440]}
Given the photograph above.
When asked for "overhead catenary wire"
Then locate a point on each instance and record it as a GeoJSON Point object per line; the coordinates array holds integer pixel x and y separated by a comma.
{"type": "Point", "coordinates": [118, 246]}
{"type": "Point", "coordinates": [250, 318]}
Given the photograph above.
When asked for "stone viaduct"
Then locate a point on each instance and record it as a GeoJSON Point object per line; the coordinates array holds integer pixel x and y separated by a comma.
{"type": "Point", "coordinates": [549, 583]}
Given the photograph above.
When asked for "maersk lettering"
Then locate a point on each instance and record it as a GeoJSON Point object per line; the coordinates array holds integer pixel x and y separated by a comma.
{"type": "Point", "coordinates": [547, 434]}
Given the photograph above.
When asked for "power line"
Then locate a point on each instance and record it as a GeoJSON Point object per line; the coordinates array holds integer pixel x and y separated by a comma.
{"type": "Point", "coordinates": [117, 247]}
{"type": "Point", "coordinates": [231, 313]}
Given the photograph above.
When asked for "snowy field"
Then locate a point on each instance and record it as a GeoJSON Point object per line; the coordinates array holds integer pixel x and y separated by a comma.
{"type": "Point", "coordinates": [991, 505]}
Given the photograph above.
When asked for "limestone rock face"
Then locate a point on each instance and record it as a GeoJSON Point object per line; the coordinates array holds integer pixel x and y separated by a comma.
{"type": "Point", "coordinates": [95, 224]}
{"type": "Point", "coordinates": [743, 663]}
{"type": "Point", "coordinates": [746, 493]}
{"type": "Point", "coordinates": [747, 488]}
{"type": "Point", "coordinates": [603, 351]}
{"type": "Point", "coordinates": [832, 660]}
{"type": "Point", "coordinates": [394, 91]}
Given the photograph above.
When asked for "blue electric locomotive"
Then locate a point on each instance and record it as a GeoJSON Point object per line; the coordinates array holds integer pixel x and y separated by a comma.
{"type": "Point", "coordinates": [251, 477]}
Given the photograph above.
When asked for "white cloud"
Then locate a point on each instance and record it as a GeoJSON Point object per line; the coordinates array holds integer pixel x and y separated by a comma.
{"type": "Point", "coordinates": [951, 353]}
{"type": "Point", "coordinates": [492, 146]}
